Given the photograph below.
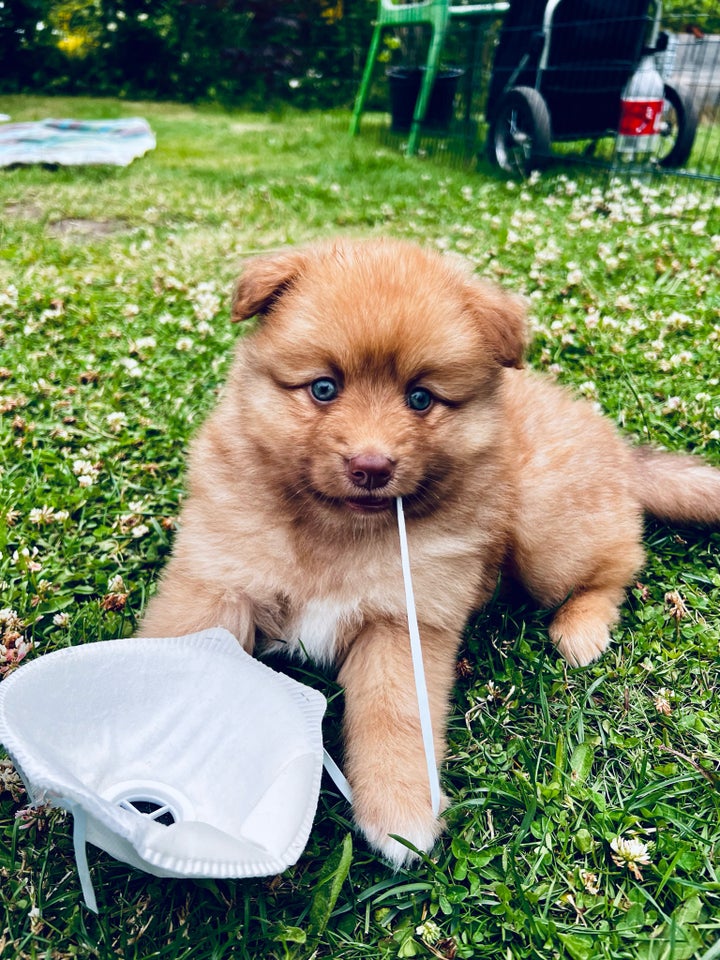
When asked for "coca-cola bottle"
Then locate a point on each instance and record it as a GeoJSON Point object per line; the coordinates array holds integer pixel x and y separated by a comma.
{"type": "Point", "coordinates": [641, 105]}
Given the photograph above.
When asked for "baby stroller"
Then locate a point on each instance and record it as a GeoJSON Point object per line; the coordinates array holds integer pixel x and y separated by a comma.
{"type": "Point", "coordinates": [559, 74]}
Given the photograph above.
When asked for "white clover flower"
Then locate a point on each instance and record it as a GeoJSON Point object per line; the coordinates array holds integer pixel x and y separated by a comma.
{"type": "Point", "coordinates": [678, 321]}
{"type": "Point", "coordinates": [677, 608]}
{"type": "Point", "coordinates": [126, 522]}
{"type": "Point", "coordinates": [9, 296]}
{"type": "Point", "coordinates": [131, 365]}
{"type": "Point", "coordinates": [116, 421]}
{"type": "Point", "coordinates": [85, 480]}
{"type": "Point", "coordinates": [27, 559]}
{"type": "Point", "coordinates": [140, 530]}
{"type": "Point", "coordinates": [184, 344]}
{"type": "Point", "coordinates": [590, 882]}
{"type": "Point", "coordinates": [56, 310]}
{"type": "Point", "coordinates": [41, 515]}
{"type": "Point", "coordinates": [574, 277]}
{"type": "Point", "coordinates": [549, 253]}
{"type": "Point", "coordinates": [116, 584]}
{"type": "Point", "coordinates": [12, 652]}
{"type": "Point", "coordinates": [680, 359]}
{"type": "Point", "coordinates": [662, 699]}
{"type": "Point", "coordinates": [429, 932]}
{"type": "Point", "coordinates": [631, 853]}
{"type": "Point", "coordinates": [9, 619]}
{"type": "Point", "coordinates": [636, 325]}
{"type": "Point", "coordinates": [61, 619]}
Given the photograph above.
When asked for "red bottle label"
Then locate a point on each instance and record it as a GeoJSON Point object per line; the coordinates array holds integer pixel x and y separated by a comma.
{"type": "Point", "coordinates": [639, 117]}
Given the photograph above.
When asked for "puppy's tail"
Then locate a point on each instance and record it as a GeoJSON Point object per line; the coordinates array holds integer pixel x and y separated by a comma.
{"type": "Point", "coordinates": [677, 487]}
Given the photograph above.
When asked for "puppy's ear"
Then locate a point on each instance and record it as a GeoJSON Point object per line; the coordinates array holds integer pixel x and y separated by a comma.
{"type": "Point", "coordinates": [502, 321]}
{"type": "Point", "coordinates": [263, 281]}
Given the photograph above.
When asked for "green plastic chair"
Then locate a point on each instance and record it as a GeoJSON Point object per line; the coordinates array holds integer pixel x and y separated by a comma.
{"type": "Point", "coordinates": [436, 13]}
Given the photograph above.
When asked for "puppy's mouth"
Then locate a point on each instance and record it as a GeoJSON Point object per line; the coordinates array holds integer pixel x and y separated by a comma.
{"type": "Point", "coordinates": [364, 504]}
{"type": "Point", "coordinates": [369, 504]}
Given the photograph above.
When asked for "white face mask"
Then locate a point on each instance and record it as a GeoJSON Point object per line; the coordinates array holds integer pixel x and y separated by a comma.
{"type": "Point", "coordinates": [184, 757]}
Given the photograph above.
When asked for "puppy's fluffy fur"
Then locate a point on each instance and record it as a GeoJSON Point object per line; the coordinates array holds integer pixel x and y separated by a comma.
{"type": "Point", "coordinates": [378, 370]}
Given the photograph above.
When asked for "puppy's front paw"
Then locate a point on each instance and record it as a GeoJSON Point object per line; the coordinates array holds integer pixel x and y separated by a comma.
{"type": "Point", "coordinates": [421, 834]}
{"type": "Point", "coordinates": [581, 627]}
{"type": "Point", "coordinates": [581, 642]}
{"type": "Point", "coordinates": [382, 815]}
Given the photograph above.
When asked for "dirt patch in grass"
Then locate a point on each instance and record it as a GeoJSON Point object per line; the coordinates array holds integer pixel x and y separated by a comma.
{"type": "Point", "coordinates": [24, 211]}
{"type": "Point", "coordinates": [67, 226]}
{"type": "Point", "coordinates": [74, 226]}
{"type": "Point", "coordinates": [250, 127]}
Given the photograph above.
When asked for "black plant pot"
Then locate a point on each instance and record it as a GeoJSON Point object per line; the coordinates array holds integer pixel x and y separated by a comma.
{"type": "Point", "coordinates": [405, 88]}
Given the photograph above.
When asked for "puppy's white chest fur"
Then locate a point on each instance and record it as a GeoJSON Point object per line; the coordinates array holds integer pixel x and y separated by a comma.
{"type": "Point", "coordinates": [317, 627]}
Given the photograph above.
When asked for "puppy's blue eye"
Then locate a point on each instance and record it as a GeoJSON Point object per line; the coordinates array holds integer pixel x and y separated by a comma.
{"type": "Point", "coordinates": [324, 390]}
{"type": "Point", "coordinates": [419, 399]}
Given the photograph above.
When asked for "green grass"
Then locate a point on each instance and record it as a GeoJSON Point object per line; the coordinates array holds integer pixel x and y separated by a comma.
{"type": "Point", "coordinates": [113, 345]}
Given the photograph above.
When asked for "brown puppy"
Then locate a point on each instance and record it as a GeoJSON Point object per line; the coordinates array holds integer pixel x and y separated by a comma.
{"type": "Point", "coordinates": [380, 370]}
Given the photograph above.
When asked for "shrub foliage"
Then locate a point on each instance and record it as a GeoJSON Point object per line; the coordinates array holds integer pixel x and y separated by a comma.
{"type": "Point", "coordinates": [251, 51]}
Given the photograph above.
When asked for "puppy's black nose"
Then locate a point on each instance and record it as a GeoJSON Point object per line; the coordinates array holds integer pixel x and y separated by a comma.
{"type": "Point", "coordinates": [370, 471]}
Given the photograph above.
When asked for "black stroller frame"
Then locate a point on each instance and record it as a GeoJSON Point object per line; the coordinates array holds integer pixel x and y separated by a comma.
{"type": "Point", "coordinates": [559, 72]}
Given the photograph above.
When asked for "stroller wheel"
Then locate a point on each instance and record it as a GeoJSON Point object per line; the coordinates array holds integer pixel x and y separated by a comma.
{"type": "Point", "coordinates": [519, 136]}
{"type": "Point", "coordinates": [678, 126]}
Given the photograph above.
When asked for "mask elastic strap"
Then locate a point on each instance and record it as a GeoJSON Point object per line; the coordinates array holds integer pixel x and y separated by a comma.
{"type": "Point", "coordinates": [337, 776]}
{"type": "Point", "coordinates": [80, 847]}
{"type": "Point", "coordinates": [418, 666]}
